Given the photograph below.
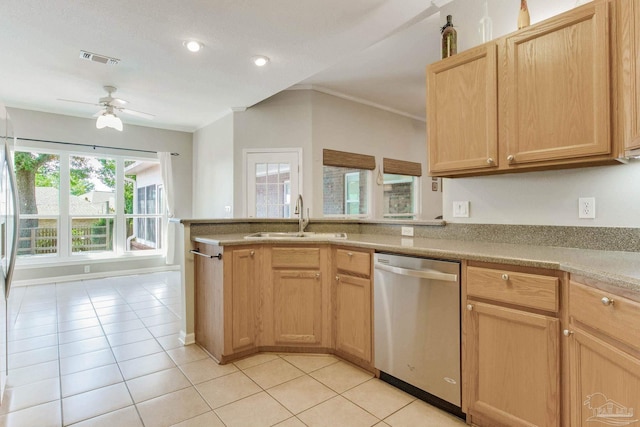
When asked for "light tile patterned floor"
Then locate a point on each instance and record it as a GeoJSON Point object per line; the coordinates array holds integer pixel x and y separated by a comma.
{"type": "Point", "coordinates": [106, 353]}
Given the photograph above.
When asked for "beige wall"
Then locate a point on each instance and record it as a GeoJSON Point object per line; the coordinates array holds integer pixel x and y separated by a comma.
{"type": "Point", "coordinates": [312, 121]}
{"type": "Point", "coordinates": [282, 121]}
{"type": "Point", "coordinates": [344, 125]}
{"type": "Point", "coordinates": [213, 168]}
{"type": "Point", "coordinates": [550, 197]}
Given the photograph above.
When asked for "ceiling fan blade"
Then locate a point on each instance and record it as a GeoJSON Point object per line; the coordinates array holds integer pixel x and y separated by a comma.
{"type": "Point", "coordinates": [137, 113]}
{"type": "Point", "coordinates": [117, 102]}
{"type": "Point", "coordinates": [80, 102]}
{"type": "Point", "coordinates": [99, 113]}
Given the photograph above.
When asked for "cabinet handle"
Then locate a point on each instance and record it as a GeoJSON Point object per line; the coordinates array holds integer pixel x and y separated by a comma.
{"type": "Point", "coordinates": [337, 278]}
{"type": "Point", "coordinates": [490, 161]}
{"type": "Point", "coordinates": [567, 333]}
{"type": "Point", "coordinates": [511, 158]}
{"type": "Point", "coordinates": [606, 301]}
{"type": "Point", "coordinates": [505, 276]}
{"type": "Point", "coordinates": [317, 275]}
{"type": "Point", "coordinates": [197, 252]}
{"type": "Point", "coordinates": [350, 254]}
{"type": "Point", "coordinates": [252, 253]}
{"type": "Point", "coordinates": [469, 307]}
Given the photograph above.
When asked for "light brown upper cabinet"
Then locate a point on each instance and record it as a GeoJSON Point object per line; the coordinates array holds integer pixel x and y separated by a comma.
{"type": "Point", "coordinates": [462, 112]}
{"type": "Point", "coordinates": [544, 100]}
{"type": "Point", "coordinates": [628, 73]}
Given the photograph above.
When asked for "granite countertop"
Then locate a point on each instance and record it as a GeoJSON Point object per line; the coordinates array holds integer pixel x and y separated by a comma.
{"type": "Point", "coordinates": [617, 268]}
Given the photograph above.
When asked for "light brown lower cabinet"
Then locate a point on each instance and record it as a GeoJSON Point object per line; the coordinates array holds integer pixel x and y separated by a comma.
{"type": "Point", "coordinates": [353, 316]}
{"type": "Point", "coordinates": [352, 303]}
{"type": "Point", "coordinates": [604, 362]}
{"type": "Point", "coordinates": [514, 367]}
{"type": "Point", "coordinates": [511, 346]}
{"type": "Point", "coordinates": [296, 297]}
{"type": "Point", "coordinates": [605, 382]}
{"type": "Point", "coordinates": [226, 299]}
{"type": "Point", "coordinates": [297, 306]}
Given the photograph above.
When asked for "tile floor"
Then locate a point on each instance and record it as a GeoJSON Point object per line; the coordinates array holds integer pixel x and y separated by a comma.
{"type": "Point", "coordinates": [106, 353]}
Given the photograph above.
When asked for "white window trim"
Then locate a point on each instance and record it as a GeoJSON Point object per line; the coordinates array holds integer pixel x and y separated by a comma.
{"type": "Point", "coordinates": [64, 254]}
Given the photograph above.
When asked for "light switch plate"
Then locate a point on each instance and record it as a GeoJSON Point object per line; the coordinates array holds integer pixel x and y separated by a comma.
{"type": "Point", "coordinates": [407, 231]}
{"type": "Point", "coordinates": [461, 209]}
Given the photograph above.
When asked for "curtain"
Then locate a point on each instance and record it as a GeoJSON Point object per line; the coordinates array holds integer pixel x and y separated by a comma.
{"type": "Point", "coordinates": [169, 240]}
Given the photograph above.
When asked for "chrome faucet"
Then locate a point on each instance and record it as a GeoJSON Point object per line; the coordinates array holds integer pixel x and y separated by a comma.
{"type": "Point", "coordinates": [302, 222]}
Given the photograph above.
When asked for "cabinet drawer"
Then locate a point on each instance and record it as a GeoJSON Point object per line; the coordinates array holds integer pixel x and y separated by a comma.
{"type": "Point", "coordinates": [619, 319]}
{"type": "Point", "coordinates": [528, 290]}
{"type": "Point", "coordinates": [295, 258]}
{"type": "Point", "coordinates": [353, 261]}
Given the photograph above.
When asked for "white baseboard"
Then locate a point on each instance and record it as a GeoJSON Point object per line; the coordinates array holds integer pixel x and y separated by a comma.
{"type": "Point", "coordinates": [88, 276]}
{"type": "Point", "coordinates": [187, 339]}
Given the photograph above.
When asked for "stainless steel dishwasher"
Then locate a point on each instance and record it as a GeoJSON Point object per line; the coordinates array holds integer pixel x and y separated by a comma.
{"type": "Point", "coordinates": [417, 327]}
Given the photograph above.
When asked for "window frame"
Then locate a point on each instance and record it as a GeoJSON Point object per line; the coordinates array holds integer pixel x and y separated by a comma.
{"type": "Point", "coordinates": [64, 254]}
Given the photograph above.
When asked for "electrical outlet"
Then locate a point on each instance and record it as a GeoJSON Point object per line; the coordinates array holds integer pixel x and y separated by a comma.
{"type": "Point", "coordinates": [587, 207]}
{"type": "Point", "coordinates": [87, 268]}
{"type": "Point", "coordinates": [407, 231]}
{"type": "Point", "coordinates": [461, 209]}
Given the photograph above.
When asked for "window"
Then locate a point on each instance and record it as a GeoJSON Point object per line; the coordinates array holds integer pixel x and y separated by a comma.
{"type": "Point", "coordinates": [401, 189]}
{"type": "Point", "coordinates": [71, 206]}
{"type": "Point", "coordinates": [400, 196]}
{"type": "Point", "coordinates": [143, 205]}
{"type": "Point", "coordinates": [38, 178]}
{"type": "Point", "coordinates": [92, 202]}
{"type": "Point", "coordinates": [346, 183]}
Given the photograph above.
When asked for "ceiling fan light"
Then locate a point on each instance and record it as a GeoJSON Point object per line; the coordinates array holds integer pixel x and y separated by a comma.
{"type": "Point", "coordinates": [109, 120]}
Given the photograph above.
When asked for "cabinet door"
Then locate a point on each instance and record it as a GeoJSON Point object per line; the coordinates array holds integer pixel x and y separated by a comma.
{"type": "Point", "coordinates": [462, 111]}
{"type": "Point", "coordinates": [353, 316]}
{"type": "Point", "coordinates": [209, 329]}
{"type": "Point", "coordinates": [244, 295]}
{"type": "Point", "coordinates": [297, 306]}
{"type": "Point", "coordinates": [628, 66]}
{"type": "Point", "coordinates": [555, 93]}
{"type": "Point", "coordinates": [605, 383]}
{"type": "Point", "coordinates": [513, 373]}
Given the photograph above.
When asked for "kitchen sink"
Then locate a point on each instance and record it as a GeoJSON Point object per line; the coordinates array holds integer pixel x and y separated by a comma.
{"type": "Point", "coordinates": [295, 235]}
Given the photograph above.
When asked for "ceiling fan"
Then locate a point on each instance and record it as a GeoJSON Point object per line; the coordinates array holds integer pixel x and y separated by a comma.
{"type": "Point", "coordinates": [107, 116]}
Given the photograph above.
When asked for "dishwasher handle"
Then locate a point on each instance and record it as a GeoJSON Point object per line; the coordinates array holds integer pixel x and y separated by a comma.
{"type": "Point", "coordinates": [422, 273]}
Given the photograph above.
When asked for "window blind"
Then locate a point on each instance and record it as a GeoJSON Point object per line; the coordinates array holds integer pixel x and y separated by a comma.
{"type": "Point", "coordinates": [401, 167]}
{"type": "Point", "coordinates": [345, 159]}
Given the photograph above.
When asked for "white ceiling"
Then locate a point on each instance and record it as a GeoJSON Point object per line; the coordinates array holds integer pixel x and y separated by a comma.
{"type": "Point", "coordinates": [40, 43]}
{"type": "Point", "coordinates": [374, 51]}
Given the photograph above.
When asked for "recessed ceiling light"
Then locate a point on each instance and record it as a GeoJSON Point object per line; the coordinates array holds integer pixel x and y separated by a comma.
{"type": "Point", "coordinates": [193, 45]}
{"type": "Point", "coordinates": [260, 61]}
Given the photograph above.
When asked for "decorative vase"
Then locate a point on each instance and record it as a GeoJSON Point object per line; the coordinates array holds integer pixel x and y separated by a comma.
{"type": "Point", "coordinates": [485, 26]}
{"type": "Point", "coordinates": [523, 16]}
{"type": "Point", "coordinates": [449, 39]}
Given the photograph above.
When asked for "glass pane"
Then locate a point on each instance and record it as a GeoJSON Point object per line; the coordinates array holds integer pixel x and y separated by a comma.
{"type": "Point", "coordinates": [92, 185]}
{"type": "Point", "coordinates": [151, 199]}
{"type": "Point", "coordinates": [92, 235]}
{"type": "Point", "coordinates": [38, 182]}
{"type": "Point", "coordinates": [140, 175]}
{"type": "Point", "coordinates": [272, 173]}
{"type": "Point", "coordinates": [399, 194]}
{"type": "Point", "coordinates": [37, 236]}
{"type": "Point", "coordinates": [261, 172]}
{"type": "Point", "coordinates": [140, 202]}
{"type": "Point", "coordinates": [345, 191]}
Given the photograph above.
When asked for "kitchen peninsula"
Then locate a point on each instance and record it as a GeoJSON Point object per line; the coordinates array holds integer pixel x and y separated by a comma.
{"type": "Point", "coordinates": [578, 305]}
